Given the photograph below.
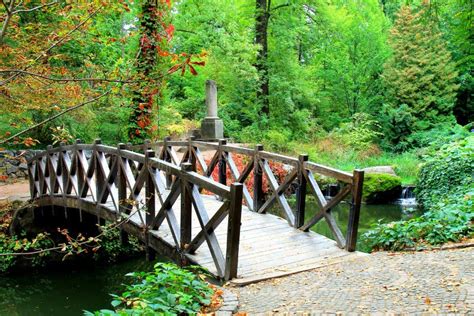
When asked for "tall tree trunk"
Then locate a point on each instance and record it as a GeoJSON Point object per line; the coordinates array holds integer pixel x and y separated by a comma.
{"type": "Point", "coordinates": [262, 16]}
{"type": "Point", "coordinates": [150, 68]}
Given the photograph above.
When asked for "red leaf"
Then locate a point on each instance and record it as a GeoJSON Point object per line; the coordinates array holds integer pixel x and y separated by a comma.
{"type": "Point", "coordinates": [193, 71]}
{"type": "Point", "coordinates": [174, 68]}
{"type": "Point", "coordinates": [199, 63]}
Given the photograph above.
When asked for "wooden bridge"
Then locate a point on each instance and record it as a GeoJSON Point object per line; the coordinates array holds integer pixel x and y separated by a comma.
{"type": "Point", "coordinates": [212, 213]}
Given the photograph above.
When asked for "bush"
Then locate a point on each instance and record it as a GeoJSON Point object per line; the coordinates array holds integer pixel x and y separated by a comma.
{"type": "Point", "coordinates": [449, 168]}
{"type": "Point", "coordinates": [168, 290]}
{"type": "Point", "coordinates": [446, 189]}
{"type": "Point", "coordinates": [361, 133]}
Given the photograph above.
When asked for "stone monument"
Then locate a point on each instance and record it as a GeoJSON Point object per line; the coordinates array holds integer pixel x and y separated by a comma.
{"type": "Point", "coordinates": [212, 127]}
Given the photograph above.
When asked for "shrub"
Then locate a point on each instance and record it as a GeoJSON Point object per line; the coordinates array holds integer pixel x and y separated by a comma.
{"type": "Point", "coordinates": [446, 170]}
{"type": "Point", "coordinates": [361, 133]}
{"type": "Point", "coordinates": [168, 290]}
{"type": "Point", "coordinates": [446, 189]}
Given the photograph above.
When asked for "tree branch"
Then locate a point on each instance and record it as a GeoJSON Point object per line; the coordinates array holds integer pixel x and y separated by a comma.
{"type": "Point", "coordinates": [280, 6]}
{"type": "Point", "coordinates": [54, 117]}
{"type": "Point", "coordinates": [35, 8]}
{"type": "Point", "coordinates": [6, 6]}
{"type": "Point", "coordinates": [62, 39]}
{"type": "Point", "coordinates": [19, 71]}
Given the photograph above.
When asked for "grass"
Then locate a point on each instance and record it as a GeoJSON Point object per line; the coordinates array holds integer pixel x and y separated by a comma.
{"type": "Point", "coordinates": [331, 153]}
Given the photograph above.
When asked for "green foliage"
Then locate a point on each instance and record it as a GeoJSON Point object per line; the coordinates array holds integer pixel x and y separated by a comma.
{"type": "Point", "coordinates": [419, 77]}
{"type": "Point", "coordinates": [168, 290]}
{"type": "Point", "coordinates": [450, 219]}
{"type": "Point", "coordinates": [449, 168]}
{"type": "Point", "coordinates": [381, 187]}
{"type": "Point", "coordinates": [360, 133]}
{"type": "Point", "coordinates": [446, 189]}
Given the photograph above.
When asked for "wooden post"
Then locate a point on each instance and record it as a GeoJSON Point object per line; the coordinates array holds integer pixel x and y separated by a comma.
{"type": "Point", "coordinates": [353, 225]}
{"type": "Point", "coordinates": [167, 157]}
{"type": "Point", "coordinates": [192, 156]}
{"type": "Point", "coordinates": [80, 174]}
{"type": "Point", "coordinates": [49, 172]}
{"type": "Point", "coordinates": [150, 198]}
{"type": "Point", "coordinates": [233, 231]}
{"type": "Point", "coordinates": [301, 192]}
{"type": "Point", "coordinates": [257, 180]}
{"type": "Point", "coordinates": [222, 163]}
{"type": "Point", "coordinates": [146, 145]}
{"type": "Point", "coordinates": [186, 207]}
{"type": "Point", "coordinates": [150, 195]}
{"type": "Point", "coordinates": [99, 177]}
{"type": "Point", "coordinates": [81, 171]}
{"type": "Point", "coordinates": [122, 192]}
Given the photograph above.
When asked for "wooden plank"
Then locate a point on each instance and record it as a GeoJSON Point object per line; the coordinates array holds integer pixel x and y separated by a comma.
{"type": "Point", "coordinates": [329, 172]}
{"type": "Point", "coordinates": [353, 224]}
{"type": "Point", "coordinates": [211, 238]}
{"type": "Point", "coordinates": [280, 158]}
{"type": "Point", "coordinates": [233, 231]}
{"type": "Point", "coordinates": [281, 199]}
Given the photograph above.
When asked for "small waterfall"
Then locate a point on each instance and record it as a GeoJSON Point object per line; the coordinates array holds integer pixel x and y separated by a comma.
{"type": "Point", "coordinates": [407, 197]}
{"type": "Point", "coordinates": [331, 190]}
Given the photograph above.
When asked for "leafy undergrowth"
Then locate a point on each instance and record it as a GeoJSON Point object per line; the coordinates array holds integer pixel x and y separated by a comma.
{"type": "Point", "coordinates": [19, 244]}
{"type": "Point", "coordinates": [167, 290]}
{"type": "Point", "coordinates": [24, 251]}
{"type": "Point", "coordinates": [446, 190]}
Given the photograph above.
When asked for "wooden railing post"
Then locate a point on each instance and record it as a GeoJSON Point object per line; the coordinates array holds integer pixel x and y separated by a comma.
{"type": "Point", "coordinates": [192, 157]}
{"type": "Point", "coordinates": [81, 171]}
{"type": "Point", "coordinates": [99, 179]}
{"type": "Point", "coordinates": [122, 191]}
{"type": "Point", "coordinates": [49, 172]}
{"type": "Point", "coordinates": [167, 158]}
{"type": "Point", "coordinates": [150, 195]}
{"type": "Point", "coordinates": [222, 163]}
{"type": "Point", "coordinates": [353, 225]}
{"type": "Point", "coordinates": [258, 199]}
{"type": "Point", "coordinates": [186, 207]}
{"type": "Point", "coordinates": [150, 198]}
{"type": "Point", "coordinates": [301, 192]}
{"type": "Point", "coordinates": [233, 231]}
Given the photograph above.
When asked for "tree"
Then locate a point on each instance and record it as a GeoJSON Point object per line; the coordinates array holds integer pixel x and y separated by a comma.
{"type": "Point", "coordinates": [420, 73]}
{"type": "Point", "coordinates": [156, 32]}
{"type": "Point", "coordinates": [263, 12]}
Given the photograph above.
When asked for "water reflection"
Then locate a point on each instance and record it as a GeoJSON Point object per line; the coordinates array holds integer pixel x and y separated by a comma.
{"type": "Point", "coordinates": [65, 292]}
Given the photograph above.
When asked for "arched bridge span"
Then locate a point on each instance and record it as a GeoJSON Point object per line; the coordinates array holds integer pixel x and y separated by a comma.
{"type": "Point", "coordinates": [211, 212]}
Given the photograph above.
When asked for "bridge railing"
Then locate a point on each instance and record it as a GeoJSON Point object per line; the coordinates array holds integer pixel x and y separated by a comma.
{"type": "Point", "coordinates": [258, 168]}
{"type": "Point", "coordinates": [145, 188]}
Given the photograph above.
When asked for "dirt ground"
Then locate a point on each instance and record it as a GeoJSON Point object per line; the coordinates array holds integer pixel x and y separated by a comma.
{"type": "Point", "coordinates": [14, 191]}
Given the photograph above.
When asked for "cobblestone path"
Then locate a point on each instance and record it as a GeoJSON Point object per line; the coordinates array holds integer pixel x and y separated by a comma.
{"type": "Point", "coordinates": [424, 283]}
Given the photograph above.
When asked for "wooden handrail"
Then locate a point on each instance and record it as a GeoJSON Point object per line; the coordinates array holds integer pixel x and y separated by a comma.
{"type": "Point", "coordinates": [122, 179]}
{"type": "Point", "coordinates": [303, 176]}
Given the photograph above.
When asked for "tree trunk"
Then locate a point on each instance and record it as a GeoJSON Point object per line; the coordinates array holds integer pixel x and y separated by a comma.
{"type": "Point", "coordinates": [262, 16]}
{"type": "Point", "coordinates": [150, 69]}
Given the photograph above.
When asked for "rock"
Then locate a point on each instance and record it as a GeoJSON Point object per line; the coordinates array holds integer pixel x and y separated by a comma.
{"type": "Point", "coordinates": [23, 166]}
{"type": "Point", "coordinates": [380, 169]}
{"type": "Point", "coordinates": [381, 188]}
{"type": "Point", "coordinates": [11, 169]}
{"type": "Point", "coordinates": [6, 153]}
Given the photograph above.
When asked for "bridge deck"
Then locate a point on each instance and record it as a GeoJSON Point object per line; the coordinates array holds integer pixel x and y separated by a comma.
{"type": "Point", "coordinates": [269, 247]}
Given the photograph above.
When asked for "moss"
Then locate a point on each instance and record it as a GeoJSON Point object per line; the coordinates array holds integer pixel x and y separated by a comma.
{"type": "Point", "coordinates": [381, 188]}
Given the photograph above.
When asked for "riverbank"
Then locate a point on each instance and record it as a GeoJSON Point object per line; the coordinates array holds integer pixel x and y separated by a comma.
{"type": "Point", "coordinates": [384, 282]}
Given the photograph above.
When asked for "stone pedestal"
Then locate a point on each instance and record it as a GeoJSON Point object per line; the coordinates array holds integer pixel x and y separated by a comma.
{"type": "Point", "coordinates": [212, 128]}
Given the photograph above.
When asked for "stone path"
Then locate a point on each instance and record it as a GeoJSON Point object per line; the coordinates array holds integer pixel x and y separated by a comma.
{"type": "Point", "coordinates": [425, 283]}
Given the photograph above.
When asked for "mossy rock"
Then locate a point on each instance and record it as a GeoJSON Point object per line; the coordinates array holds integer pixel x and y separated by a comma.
{"type": "Point", "coordinates": [381, 188]}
